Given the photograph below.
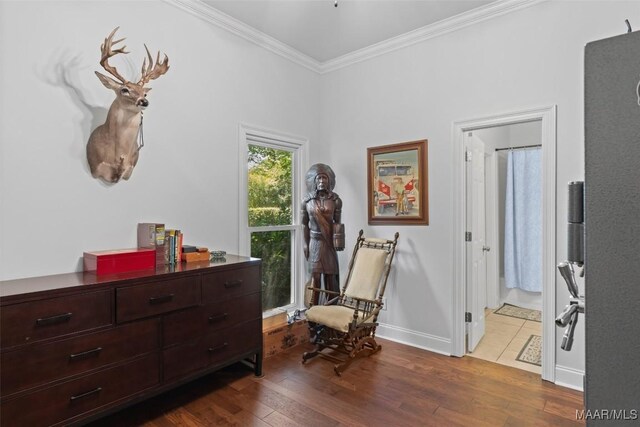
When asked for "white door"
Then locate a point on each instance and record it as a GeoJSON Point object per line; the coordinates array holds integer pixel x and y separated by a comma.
{"type": "Point", "coordinates": [476, 249]}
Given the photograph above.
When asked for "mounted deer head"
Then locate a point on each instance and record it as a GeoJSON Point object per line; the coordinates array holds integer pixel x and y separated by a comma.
{"type": "Point", "coordinates": [112, 149]}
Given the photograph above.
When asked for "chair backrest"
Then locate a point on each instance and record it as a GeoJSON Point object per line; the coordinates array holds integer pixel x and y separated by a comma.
{"type": "Point", "coordinates": [369, 267]}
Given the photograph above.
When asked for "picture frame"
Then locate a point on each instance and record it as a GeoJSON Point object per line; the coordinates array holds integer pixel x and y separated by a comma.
{"type": "Point", "coordinates": [397, 184]}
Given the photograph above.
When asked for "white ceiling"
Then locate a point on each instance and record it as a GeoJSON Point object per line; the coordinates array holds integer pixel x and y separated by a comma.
{"type": "Point", "coordinates": [323, 32]}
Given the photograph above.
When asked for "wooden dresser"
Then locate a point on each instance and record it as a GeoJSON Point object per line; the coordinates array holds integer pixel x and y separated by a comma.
{"type": "Point", "coordinates": [76, 346]}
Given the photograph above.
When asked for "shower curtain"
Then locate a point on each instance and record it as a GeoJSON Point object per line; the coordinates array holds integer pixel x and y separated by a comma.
{"type": "Point", "coordinates": [523, 220]}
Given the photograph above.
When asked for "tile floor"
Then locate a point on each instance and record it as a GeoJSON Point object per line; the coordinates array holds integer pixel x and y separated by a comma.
{"type": "Point", "coordinates": [504, 338]}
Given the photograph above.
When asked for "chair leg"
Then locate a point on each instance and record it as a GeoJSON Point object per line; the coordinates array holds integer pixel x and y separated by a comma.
{"type": "Point", "coordinates": [358, 351]}
{"type": "Point", "coordinates": [310, 354]}
{"type": "Point", "coordinates": [372, 343]}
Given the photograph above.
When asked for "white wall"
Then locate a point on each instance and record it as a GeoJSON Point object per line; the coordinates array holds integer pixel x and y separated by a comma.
{"type": "Point", "coordinates": [187, 176]}
{"type": "Point", "coordinates": [526, 59]}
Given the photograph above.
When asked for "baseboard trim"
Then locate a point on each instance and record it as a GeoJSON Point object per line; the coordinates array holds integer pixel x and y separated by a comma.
{"type": "Point", "coordinates": [414, 338]}
{"type": "Point", "coordinates": [569, 377]}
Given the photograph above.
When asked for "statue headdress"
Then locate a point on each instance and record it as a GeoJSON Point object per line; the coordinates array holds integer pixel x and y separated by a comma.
{"type": "Point", "coordinates": [314, 171]}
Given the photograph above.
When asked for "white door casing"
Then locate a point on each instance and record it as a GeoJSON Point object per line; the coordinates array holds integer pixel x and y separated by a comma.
{"type": "Point", "coordinates": [493, 232]}
{"type": "Point", "coordinates": [458, 296]}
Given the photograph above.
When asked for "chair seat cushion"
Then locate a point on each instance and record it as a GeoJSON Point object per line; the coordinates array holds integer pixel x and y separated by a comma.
{"type": "Point", "coordinates": [334, 316]}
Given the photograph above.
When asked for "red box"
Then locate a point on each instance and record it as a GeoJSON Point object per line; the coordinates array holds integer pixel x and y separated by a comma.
{"type": "Point", "coordinates": [119, 261]}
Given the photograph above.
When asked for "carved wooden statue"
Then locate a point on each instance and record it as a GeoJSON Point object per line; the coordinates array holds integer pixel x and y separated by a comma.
{"type": "Point", "coordinates": [323, 230]}
{"type": "Point", "coordinates": [113, 149]}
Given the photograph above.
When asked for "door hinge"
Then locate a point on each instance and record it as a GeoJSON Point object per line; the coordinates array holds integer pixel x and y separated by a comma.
{"type": "Point", "coordinates": [467, 236]}
{"type": "Point", "coordinates": [467, 317]}
{"type": "Point", "coordinates": [467, 156]}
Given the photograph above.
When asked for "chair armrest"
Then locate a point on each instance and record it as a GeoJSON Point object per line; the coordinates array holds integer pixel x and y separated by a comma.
{"type": "Point", "coordinates": [323, 290]}
{"type": "Point", "coordinates": [372, 301]}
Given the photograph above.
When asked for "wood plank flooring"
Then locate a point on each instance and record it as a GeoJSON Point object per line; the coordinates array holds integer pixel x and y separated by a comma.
{"type": "Point", "coordinates": [399, 386]}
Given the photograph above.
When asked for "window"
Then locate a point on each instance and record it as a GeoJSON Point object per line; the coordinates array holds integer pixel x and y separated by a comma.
{"type": "Point", "coordinates": [269, 226]}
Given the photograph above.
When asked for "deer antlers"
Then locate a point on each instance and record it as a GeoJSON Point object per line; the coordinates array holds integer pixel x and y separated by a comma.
{"type": "Point", "coordinates": [107, 52]}
{"type": "Point", "coordinates": [150, 71]}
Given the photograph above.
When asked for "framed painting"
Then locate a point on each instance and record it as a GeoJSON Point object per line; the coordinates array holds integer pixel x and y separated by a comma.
{"type": "Point", "coordinates": [397, 184]}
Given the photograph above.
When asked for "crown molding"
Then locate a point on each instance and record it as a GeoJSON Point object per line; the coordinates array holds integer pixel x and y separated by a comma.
{"type": "Point", "coordinates": [226, 22]}
{"type": "Point", "coordinates": [222, 20]}
{"type": "Point", "coordinates": [436, 29]}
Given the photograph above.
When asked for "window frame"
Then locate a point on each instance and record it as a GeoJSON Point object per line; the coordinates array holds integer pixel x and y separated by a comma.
{"type": "Point", "coordinates": [252, 135]}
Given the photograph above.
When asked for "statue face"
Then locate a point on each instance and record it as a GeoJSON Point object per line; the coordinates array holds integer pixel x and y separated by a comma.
{"type": "Point", "coordinates": [322, 182]}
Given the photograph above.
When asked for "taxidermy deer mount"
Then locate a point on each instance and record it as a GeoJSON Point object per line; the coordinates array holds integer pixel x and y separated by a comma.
{"type": "Point", "coordinates": [113, 149]}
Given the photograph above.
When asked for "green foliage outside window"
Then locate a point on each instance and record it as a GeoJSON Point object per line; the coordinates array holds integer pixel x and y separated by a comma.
{"type": "Point", "coordinates": [270, 186]}
{"type": "Point", "coordinates": [274, 247]}
{"type": "Point", "coordinates": [270, 203]}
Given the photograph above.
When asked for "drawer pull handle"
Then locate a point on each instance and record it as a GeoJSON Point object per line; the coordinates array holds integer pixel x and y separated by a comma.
{"type": "Point", "coordinates": [89, 393]}
{"type": "Point", "coordinates": [160, 300]}
{"type": "Point", "coordinates": [233, 284]}
{"type": "Point", "coordinates": [60, 318]}
{"type": "Point", "coordinates": [218, 317]}
{"type": "Point", "coordinates": [220, 347]}
{"type": "Point", "coordinates": [87, 353]}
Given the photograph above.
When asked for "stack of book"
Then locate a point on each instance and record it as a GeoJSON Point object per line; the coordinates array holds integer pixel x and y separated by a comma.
{"type": "Point", "coordinates": [173, 246]}
{"type": "Point", "coordinates": [166, 242]}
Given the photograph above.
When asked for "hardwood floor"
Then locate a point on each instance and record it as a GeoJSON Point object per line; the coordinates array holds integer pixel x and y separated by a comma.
{"type": "Point", "coordinates": [399, 386]}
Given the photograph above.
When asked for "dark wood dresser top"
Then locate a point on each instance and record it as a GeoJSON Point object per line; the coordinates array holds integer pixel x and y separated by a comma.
{"type": "Point", "coordinates": [12, 291]}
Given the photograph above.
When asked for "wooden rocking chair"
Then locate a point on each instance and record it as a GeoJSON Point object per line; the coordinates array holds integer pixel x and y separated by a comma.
{"type": "Point", "coordinates": [347, 322]}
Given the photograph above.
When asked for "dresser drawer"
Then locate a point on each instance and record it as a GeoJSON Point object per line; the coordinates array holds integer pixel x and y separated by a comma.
{"type": "Point", "coordinates": [189, 324]}
{"type": "Point", "coordinates": [80, 396]}
{"type": "Point", "coordinates": [36, 320]}
{"type": "Point", "coordinates": [39, 364]}
{"type": "Point", "coordinates": [151, 299]}
{"type": "Point", "coordinates": [230, 283]}
{"type": "Point", "coordinates": [212, 349]}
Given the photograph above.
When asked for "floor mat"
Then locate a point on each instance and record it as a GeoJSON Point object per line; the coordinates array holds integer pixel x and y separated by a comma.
{"type": "Point", "coordinates": [519, 312]}
{"type": "Point", "coordinates": [532, 351]}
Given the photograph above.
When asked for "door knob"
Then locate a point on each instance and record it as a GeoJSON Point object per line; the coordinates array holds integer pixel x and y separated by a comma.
{"type": "Point", "coordinates": [486, 249]}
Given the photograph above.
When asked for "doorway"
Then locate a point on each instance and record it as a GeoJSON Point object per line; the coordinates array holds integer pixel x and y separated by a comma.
{"type": "Point", "coordinates": [504, 251]}
{"type": "Point", "coordinates": [471, 257]}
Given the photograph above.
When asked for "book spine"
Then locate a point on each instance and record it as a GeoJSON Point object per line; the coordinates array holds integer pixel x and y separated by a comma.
{"type": "Point", "coordinates": [159, 243]}
{"type": "Point", "coordinates": [167, 247]}
{"type": "Point", "coordinates": [172, 247]}
{"type": "Point", "coordinates": [176, 244]}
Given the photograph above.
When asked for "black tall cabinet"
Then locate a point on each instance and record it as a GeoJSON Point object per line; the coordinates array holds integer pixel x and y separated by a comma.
{"type": "Point", "coordinates": [612, 236]}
